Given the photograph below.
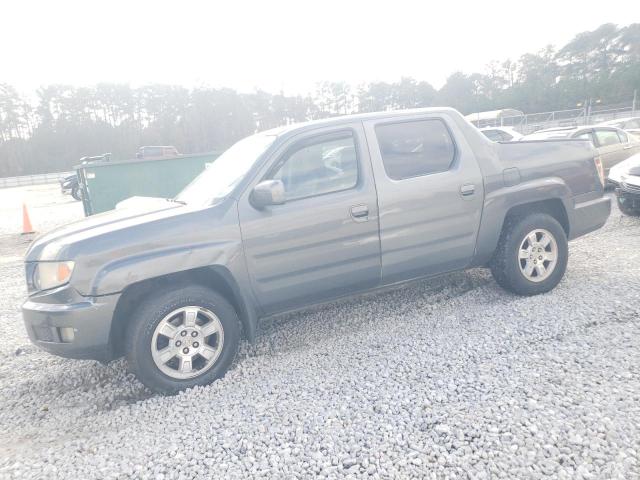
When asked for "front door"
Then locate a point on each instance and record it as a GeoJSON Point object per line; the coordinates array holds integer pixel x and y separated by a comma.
{"type": "Point", "coordinates": [323, 241]}
{"type": "Point", "coordinates": [430, 196]}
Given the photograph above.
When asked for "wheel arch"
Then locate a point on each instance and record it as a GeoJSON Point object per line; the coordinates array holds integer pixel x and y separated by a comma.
{"type": "Point", "coordinates": [217, 278]}
{"type": "Point", "coordinates": [552, 206]}
{"type": "Point", "coordinates": [551, 197]}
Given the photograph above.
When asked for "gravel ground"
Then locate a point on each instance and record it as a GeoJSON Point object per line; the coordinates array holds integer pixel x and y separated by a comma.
{"type": "Point", "coordinates": [452, 378]}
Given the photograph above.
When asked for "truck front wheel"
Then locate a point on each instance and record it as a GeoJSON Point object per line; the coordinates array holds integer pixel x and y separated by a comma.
{"type": "Point", "coordinates": [531, 256]}
{"type": "Point", "coordinates": [182, 338]}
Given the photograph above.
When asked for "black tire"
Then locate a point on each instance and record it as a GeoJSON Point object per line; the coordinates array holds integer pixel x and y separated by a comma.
{"type": "Point", "coordinates": [76, 193]}
{"type": "Point", "coordinates": [139, 335]}
{"type": "Point", "coordinates": [627, 210]}
{"type": "Point", "coordinates": [505, 265]}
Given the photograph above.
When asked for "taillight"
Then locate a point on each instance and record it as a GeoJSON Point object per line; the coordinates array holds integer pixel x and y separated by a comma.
{"type": "Point", "coordinates": [599, 168]}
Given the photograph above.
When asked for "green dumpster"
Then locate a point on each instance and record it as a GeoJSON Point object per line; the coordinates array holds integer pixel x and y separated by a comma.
{"type": "Point", "coordinates": [105, 183]}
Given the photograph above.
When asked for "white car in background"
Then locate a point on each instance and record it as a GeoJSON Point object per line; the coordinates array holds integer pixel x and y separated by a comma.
{"type": "Point", "coordinates": [612, 144]}
{"type": "Point", "coordinates": [501, 134]}
{"type": "Point", "coordinates": [626, 178]}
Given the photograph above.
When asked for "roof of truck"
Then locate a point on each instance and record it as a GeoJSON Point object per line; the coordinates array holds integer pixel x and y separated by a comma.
{"type": "Point", "coordinates": [357, 117]}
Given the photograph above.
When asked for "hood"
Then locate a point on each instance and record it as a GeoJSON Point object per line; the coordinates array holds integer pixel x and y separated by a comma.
{"type": "Point", "coordinates": [626, 168]}
{"type": "Point", "coordinates": [52, 245]}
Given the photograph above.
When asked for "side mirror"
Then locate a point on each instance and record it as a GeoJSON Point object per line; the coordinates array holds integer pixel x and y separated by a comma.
{"type": "Point", "coordinates": [267, 192]}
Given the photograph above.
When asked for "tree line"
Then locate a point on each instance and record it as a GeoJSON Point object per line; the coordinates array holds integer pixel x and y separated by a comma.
{"type": "Point", "coordinates": [65, 123]}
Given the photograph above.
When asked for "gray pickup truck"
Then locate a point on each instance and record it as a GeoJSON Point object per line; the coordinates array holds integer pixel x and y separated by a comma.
{"type": "Point", "coordinates": [298, 216]}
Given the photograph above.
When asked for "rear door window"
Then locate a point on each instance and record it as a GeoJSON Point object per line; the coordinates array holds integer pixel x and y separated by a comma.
{"type": "Point", "coordinates": [414, 149]}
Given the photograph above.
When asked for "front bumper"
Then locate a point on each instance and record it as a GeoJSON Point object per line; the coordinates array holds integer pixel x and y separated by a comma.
{"type": "Point", "coordinates": [45, 316]}
{"type": "Point", "coordinates": [589, 216]}
{"type": "Point", "coordinates": [629, 195]}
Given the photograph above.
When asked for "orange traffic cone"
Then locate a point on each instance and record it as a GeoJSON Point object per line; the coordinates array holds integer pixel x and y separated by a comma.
{"type": "Point", "coordinates": [26, 223]}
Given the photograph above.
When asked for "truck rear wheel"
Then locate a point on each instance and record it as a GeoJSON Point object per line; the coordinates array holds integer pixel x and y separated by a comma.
{"type": "Point", "coordinates": [182, 338]}
{"type": "Point", "coordinates": [531, 256]}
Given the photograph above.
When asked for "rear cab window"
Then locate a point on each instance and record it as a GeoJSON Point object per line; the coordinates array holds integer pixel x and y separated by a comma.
{"type": "Point", "coordinates": [415, 148]}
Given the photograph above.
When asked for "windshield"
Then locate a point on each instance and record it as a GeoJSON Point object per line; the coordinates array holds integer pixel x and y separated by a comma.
{"type": "Point", "coordinates": [221, 176]}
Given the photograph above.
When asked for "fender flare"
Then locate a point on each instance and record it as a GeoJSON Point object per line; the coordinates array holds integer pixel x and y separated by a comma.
{"type": "Point", "coordinates": [206, 264]}
{"type": "Point", "coordinates": [500, 202]}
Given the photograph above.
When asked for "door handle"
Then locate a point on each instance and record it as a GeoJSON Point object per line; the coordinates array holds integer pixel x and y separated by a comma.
{"type": "Point", "coordinates": [627, 147]}
{"type": "Point", "coordinates": [360, 213]}
{"type": "Point", "coordinates": [467, 189]}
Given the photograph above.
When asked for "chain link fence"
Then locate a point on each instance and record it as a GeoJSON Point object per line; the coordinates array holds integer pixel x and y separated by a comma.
{"type": "Point", "coordinates": [531, 122]}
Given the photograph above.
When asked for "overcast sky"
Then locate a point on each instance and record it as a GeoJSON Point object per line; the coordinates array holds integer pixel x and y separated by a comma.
{"type": "Point", "coordinates": [279, 45]}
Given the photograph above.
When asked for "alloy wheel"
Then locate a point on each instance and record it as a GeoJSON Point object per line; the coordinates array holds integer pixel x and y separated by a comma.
{"type": "Point", "coordinates": [538, 255]}
{"type": "Point", "coordinates": [187, 342]}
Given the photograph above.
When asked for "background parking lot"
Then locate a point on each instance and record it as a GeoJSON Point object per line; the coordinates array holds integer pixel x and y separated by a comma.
{"type": "Point", "coordinates": [449, 377]}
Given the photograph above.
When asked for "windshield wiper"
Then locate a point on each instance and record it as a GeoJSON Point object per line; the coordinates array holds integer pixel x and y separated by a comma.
{"type": "Point", "coordinates": [181, 202]}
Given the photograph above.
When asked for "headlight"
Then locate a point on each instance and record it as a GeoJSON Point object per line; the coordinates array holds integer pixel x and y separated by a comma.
{"type": "Point", "coordinates": [51, 274]}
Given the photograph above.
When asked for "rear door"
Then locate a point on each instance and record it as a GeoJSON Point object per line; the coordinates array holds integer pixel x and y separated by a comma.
{"type": "Point", "coordinates": [323, 241]}
{"type": "Point", "coordinates": [430, 195]}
